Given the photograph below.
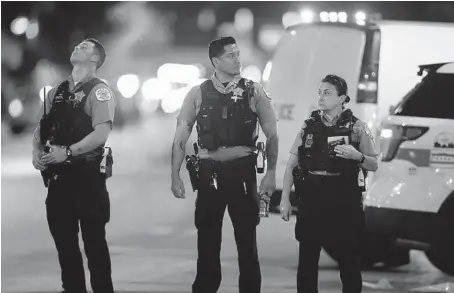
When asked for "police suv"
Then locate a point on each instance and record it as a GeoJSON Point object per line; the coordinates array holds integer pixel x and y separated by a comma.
{"type": "Point", "coordinates": [410, 201]}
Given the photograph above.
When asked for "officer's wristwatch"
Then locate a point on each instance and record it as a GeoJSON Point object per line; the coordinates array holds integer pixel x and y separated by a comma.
{"type": "Point", "coordinates": [69, 152]}
{"type": "Point", "coordinates": [363, 157]}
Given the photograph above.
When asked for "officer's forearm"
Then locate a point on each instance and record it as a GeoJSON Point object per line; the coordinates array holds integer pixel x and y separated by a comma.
{"type": "Point", "coordinates": [92, 141]}
{"type": "Point", "coordinates": [36, 142]}
{"type": "Point", "coordinates": [179, 147]}
{"type": "Point", "coordinates": [288, 177]}
{"type": "Point", "coordinates": [272, 147]}
{"type": "Point", "coordinates": [370, 163]}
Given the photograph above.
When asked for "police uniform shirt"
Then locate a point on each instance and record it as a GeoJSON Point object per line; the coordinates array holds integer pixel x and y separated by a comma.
{"type": "Point", "coordinates": [100, 103]}
{"type": "Point", "coordinates": [260, 103]}
{"type": "Point", "coordinates": [361, 133]}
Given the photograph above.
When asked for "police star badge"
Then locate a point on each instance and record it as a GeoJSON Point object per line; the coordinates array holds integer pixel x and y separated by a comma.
{"type": "Point", "coordinates": [79, 96]}
{"type": "Point", "coordinates": [103, 94]}
{"type": "Point", "coordinates": [237, 94]}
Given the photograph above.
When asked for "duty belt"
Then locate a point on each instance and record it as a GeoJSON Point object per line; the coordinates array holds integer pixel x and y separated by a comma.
{"type": "Point", "coordinates": [323, 173]}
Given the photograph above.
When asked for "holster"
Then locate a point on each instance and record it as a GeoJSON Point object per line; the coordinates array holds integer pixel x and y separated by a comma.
{"type": "Point", "coordinates": [106, 163]}
{"type": "Point", "coordinates": [193, 170]}
{"type": "Point", "coordinates": [299, 174]}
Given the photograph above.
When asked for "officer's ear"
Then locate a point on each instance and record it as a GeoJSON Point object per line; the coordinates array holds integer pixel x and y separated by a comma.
{"type": "Point", "coordinates": [215, 61]}
{"type": "Point", "coordinates": [343, 99]}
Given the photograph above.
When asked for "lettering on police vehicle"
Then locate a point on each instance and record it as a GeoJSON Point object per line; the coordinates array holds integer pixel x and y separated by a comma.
{"type": "Point", "coordinates": [284, 111]}
{"type": "Point", "coordinates": [442, 155]}
{"type": "Point", "coordinates": [103, 94]}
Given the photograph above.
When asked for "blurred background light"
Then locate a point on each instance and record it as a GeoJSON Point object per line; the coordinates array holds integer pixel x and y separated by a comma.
{"type": "Point", "coordinates": [360, 18]}
{"type": "Point", "coordinates": [32, 30]}
{"type": "Point", "coordinates": [244, 20]}
{"type": "Point", "coordinates": [155, 89]}
{"type": "Point", "coordinates": [15, 108]}
{"type": "Point", "coordinates": [290, 18]}
{"type": "Point", "coordinates": [128, 85]}
{"type": "Point", "coordinates": [174, 100]}
{"type": "Point", "coordinates": [342, 16]}
{"type": "Point", "coordinates": [46, 88]}
{"type": "Point", "coordinates": [333, 16]}
{"type": "Point", "coordinates": [178, 73]}
{"type": "Point", "coordinates": [252, 72]}
{"type": "Point", "coordinates": [206, 20]}
{"type": "Point", "coordinates": [19, 25]}
{"type": "Point", "coordinates": [307, 16]}
{"type": "Point", "coordinates": [267, 71]}
{"type": "Point", "coordinates": [324, 16]}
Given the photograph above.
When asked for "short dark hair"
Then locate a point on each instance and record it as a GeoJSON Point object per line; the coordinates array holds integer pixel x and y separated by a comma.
{"type": "Point", "coordinates": [99, 50]}
{"type": "Point", "coordinates": [339, 83]}
{"type": "Point", "coordinates": [216, 47]}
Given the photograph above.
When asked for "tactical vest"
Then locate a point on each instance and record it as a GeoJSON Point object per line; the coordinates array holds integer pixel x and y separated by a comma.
{"type": "Point", "coordinates": [226, 119]}
{"type": "Point", "coordinates": [69, 123]}
{"type": "Point", "coordinates": [316, 152]}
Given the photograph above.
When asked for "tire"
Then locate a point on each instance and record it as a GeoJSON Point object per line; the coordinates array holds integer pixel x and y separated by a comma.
{"type": "Point", "coordinates": [377, 249]}
{"type": "Point", "coordinates": [441, 251]}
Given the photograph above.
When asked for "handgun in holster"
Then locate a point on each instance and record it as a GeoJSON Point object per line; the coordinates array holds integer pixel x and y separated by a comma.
{"type": "Point", "coordinates": [261, 157]}
{"type": "Point", "coordinates": [193, 167]}
{"type": "Point", "coordinates": [106, 162]}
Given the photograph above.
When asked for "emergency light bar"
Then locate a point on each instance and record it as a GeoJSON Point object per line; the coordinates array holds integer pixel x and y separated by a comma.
{"type": "Point", "coordinates": [292, 18]}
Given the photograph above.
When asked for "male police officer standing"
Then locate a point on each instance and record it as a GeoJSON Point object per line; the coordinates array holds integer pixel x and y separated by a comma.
{"type": "Point", "coordinates": [329, 153]}
{"type": "Point", "coordinates": [77, 126]}
{"type": "Point", "coordinates": [226, 109]}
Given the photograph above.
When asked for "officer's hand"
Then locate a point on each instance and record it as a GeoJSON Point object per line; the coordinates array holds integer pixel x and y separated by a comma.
{"type": "Point", "coordinates": [286, 209]}
{"type": "Point", "coordinates": [37, 162]}
{"type": "Point", "coordinates": [178, 187]}
{"type": "Point", "coordinates": [268, 184]}
{"type": "Point", "coordinates": [57, 155]}
{"type": "Point", "coordinates": [347, 151]}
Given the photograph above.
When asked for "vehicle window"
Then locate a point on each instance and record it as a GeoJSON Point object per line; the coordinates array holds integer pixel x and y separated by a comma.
{"type": "Point", "coordinates": [432, 98]}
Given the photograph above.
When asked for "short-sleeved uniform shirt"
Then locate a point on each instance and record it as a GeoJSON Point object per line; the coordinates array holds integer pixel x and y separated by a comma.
{"type": "Point", "coordinates": [361, 133]}
{"type": "Point", "coordinates": [100, 103]}
{"type": "Point", "coordinates": [260, 103]}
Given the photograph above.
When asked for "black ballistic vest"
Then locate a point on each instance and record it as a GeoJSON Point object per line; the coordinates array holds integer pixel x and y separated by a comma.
{"type": "Point", "coordinates": [316, 152]}
{"type": "Point", "coordinates": [226, 119]}
{"type": "Point", "coordinates": [69, 122]}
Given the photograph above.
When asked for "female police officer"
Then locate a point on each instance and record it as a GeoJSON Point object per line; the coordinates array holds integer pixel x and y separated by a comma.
{"type": "Point", "coordinates": [328, 154]}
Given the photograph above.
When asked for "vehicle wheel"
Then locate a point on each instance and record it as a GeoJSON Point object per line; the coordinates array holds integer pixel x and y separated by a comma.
{"type": "Point", "coordinates": [379, 250]}
{"type": "Point", "coordinates": [441, 251]}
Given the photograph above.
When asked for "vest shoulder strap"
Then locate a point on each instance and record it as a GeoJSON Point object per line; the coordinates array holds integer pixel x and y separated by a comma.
{"type": "Point", "coordinates": [208, 87]}
{"type": "Point", "coordinates": [89, 85]}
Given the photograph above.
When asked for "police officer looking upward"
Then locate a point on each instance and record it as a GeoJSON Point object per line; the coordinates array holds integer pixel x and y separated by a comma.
{"type": "Point", "coordinates": [329, 154]}
{"type": "Point", "coordinates": [226, 109]}
{"type": "Point", "coordinates": [79, 118]}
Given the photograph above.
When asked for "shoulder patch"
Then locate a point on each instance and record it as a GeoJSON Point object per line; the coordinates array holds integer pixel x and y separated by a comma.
{"type": "Point", "coordinates": [103, 94]}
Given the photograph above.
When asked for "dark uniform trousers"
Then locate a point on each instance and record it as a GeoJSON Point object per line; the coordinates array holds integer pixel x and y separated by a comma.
{"type": "Point", "coordinates": [330, 215]}
{"type": "Point", "coordinates": [80, 196]}
{"type": "Point", "coordinates": [209, 213]}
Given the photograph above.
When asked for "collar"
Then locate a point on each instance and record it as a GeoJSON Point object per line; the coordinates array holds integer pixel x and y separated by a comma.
{"type": "Point", "coordinates": [331, 120]}
{"type": "Point", "coordinates": [73, 86]}
{"type": "Point", "coordinates": [225, 89]}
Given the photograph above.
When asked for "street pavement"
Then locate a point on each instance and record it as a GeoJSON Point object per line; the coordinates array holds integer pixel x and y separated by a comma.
{"type": "Point", "coordinates": [151, 234]}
